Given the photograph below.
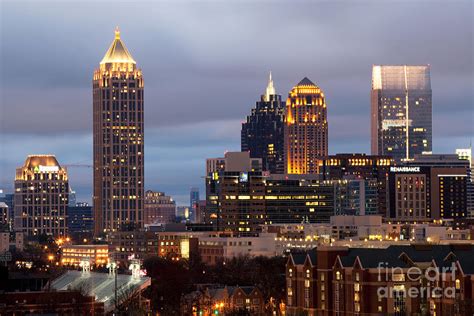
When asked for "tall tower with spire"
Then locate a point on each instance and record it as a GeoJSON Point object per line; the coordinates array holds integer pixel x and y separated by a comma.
{"type": "Point", "coordinates": [262, 133]}
{"type": "Point", "coordinates": [306, 130]}
{"type": "Point", "coordinates": [118, 141]}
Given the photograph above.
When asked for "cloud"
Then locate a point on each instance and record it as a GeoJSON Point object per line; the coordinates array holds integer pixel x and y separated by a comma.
{"type": "Point", "coordinates": [206, 63]}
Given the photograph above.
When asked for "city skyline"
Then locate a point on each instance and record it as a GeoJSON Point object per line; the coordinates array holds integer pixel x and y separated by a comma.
{"type": "Point", "coordinates": [173, 127]}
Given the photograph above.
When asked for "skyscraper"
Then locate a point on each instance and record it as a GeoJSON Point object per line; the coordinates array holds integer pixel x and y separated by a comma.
{"type": "Point", "coordinates": [306, 130]}
{"type": "Point", "coordinates": [262, 134]}
{"type": "Point", "coordinates": [118, 141]}
{"type": "Point", "coordinates": [41, 197]}
{"type": "Point", "coordinates": [193, 196]}
{"type": "Point", "coordinates": [193, 200]}
{"type": "Point", "coordinates": [401, 119]}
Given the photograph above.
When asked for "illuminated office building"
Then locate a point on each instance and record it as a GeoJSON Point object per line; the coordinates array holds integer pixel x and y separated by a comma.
{"type": "Point", "coordinates": [41, 197]}
{"type": "Point", "coordinates": [306, 130]}
{"type": "Point", "coordinates": [401, 118]}
{"type": "Point", "coordinates": [118, 141]}
{"type": "Point", "coordinates": [262, 134]}
{"type": "Point", "coordinates": [243, 201]}
{"type": "Point", "coordinates": [360, 166]}
{"type": "Point", "coordinates": [429, 187]}
{"type": "Point", "coordinates": [466, 154]}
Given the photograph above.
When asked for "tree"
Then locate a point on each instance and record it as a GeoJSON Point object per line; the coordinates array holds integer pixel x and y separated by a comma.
{"type": "Point", "coordinates": [170, 279]}
{"type": "Point", "coordinates": [238, 312]}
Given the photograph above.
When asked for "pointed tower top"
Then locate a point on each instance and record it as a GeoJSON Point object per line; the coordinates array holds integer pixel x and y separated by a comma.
{"type": "Point", "coordinates": [270, 88]}
{"type": "Point", "coordinates": [117, 52]}
{"type": "Point", "coordinates": [306, 82]}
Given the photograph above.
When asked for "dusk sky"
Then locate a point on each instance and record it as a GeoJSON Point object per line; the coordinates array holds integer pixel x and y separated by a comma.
{"type": "Point", "coordinates": [205, 65]}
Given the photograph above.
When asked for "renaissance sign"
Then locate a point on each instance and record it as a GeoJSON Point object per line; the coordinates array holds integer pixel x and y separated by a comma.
{"type": "Point", "coordinates": [404, 169]}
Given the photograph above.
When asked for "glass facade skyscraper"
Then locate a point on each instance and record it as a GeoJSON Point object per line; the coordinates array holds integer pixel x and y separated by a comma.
{"type": "Point", "coordinates": [118, 141]}
{"type": "Point", "coordinates": [401, 119]}
{"type": "Point", "coordinates": [262, 133]}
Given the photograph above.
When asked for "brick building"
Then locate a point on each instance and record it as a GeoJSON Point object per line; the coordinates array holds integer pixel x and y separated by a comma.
{"type": "Point", "coordinates": [370, 281]}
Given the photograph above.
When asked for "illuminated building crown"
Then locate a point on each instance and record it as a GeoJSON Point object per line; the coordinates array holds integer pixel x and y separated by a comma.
{"type": "Point", "coordinates": [270, 88]}
{"type": "Point", "coordinates": [117, 52]}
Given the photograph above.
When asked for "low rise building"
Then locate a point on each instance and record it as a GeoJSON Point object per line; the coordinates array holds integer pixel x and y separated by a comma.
{"type": "Point", "coordinates": [218, 248]}
{"type": "Point", "coordinates": [217, 300]}
{"type": "Point", "coordinates": [381, 281]}
{"type": "Point", "coordinates": [127, 245]}
{"type": "Point", "coordinates": [97, 255]}
{"type": "Point", "coordinates": [177, 244]}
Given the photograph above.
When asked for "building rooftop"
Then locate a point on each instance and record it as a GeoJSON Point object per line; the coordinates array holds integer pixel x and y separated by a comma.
{"type": "Point", "coordinates": [118, 52]}
{"type": "Point", "coordinates": [33, 161]}
{"type": "Point", "coordinates": [305, 82]}
{"type": "Point", "coordinates": [101, 285]}
{"type": "Point", "coordinates": [402, 256]}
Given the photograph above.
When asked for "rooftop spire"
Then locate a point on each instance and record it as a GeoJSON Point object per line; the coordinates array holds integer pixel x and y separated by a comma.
{"type": "Point", "coordinates": [117, 52]}
{"type": "Point", "coordinates": [270, 88]}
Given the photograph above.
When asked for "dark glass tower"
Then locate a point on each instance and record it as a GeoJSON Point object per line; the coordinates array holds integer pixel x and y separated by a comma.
{"type": "Point", "coordinates": [401, 111]}
{"type": "Point", "coordinates": [118, 141]}
{"type": "Point", "coordinates": [262, 134]}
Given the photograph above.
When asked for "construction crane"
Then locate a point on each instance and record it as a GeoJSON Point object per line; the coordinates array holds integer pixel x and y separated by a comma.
{"type": "Point", "coordinates": [78, 165]}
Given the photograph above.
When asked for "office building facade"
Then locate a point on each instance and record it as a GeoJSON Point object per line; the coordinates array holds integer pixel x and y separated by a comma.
{"type": "Point", "coordinates": [80, 220]}
{"type": "Point", "coordinates": [360, 166]}
{"type": "Point", "coordinates": [118, 141]}
{"type": "Point", "coordinates": [263, 133]}
{"type": "Point", "coordinates": [306, 129]}
{"type": "Point", "coordinates": [241, 202]}
{"type": "Point", "coordinates": [41, 197]}
{"type": "Point", "coordinates": [159, 208]}
{"type": "Point", "coordinates": [466, 154]}
{"type": "Point", "coordinates": [233, 161]}
{"type": "Point", "coordinates": [430, 187]}
{"type": "Point", "coordinates": [401, 111]}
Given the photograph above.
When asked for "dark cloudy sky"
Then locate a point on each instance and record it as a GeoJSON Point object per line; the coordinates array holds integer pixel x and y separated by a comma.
{"type": "Point", "coordinates": [206, 63]}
